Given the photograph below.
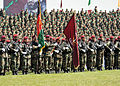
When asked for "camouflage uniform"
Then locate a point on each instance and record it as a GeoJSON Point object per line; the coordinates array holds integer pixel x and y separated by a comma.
{"type": "Point", "coordinates": [91, 57]}
{"type": "Point", "coordinates": [66, 54]}
{"type": "Point", "coordinates": [100, 54]}
{"type": "Point", "coordinates": [83, 54]}
{"type": "Point", "coordinates": [26, 57]}
{"type": "Point", "coordinates": [117, 55]}
{"type": "Point", "coordinates": [35, 57]}
{"type": "Point", "coordinates": [109, 58]}
{"type": "Point", "coordinates": [15, 60]}
{"type": "Point", "coordinates": [3, 61]}
{"type": "Point", "coordinates": [57, 56]}
{"type": "Point", "coordinates": [48, 61]}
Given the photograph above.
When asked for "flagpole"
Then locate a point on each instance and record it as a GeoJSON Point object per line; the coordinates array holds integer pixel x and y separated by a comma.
{"type": "Point", "coordinates": [39, 7]}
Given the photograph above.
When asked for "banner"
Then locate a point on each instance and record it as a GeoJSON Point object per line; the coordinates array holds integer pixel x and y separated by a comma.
{"type": "Point", "coordinates": [71, 34]}
{"type": "Point", "coordinates": [16, 6]}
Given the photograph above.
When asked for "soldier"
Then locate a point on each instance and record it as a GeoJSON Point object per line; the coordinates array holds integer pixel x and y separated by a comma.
{"type": "Point", "coordinates": [109, 59]}
{"type": "Point", "coordinates": [15, 60]}
{"type": "Point", "coordinates": [35, 62]}
{"type": "Point", "coordinates": [117, 54]}
{"type": "Point", "coordinates": [100, 53]}
{"type": "Point", "coordinates": [8, 54]}
{"type": "Point", "coordinates": [48, 62]}
{"type": "Point", "coordinates": [66, 54]}
{"type": "Point", "coordinates": [83, 50]}
{"type": "Point", "coordinates": [91, 59]}
{"type": "Point", "coordinates": [3, 62]}
{"type": "Point", "coordinates": [57, 55]}
{"type": "Point", "coordinates": [25, 51]}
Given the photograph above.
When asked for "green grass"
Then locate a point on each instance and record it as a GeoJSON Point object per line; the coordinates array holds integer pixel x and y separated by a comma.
{"type": "Point", "coordinates": [98, 78]}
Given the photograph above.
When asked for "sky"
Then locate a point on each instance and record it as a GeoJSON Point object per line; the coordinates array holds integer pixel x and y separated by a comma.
{"type": "Point", "coordinates": [78, 4]}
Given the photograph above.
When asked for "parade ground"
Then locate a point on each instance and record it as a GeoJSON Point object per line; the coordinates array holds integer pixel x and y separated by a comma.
{"type": "Point", "coordinates": [97, 78]}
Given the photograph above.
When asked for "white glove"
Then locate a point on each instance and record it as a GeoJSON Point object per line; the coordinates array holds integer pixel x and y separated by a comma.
{"type": "Point", "coordinates": [111, 50]}
{"type": "Point", "coordinates": [105, 45]}
{"type": "Point", "coordinates": [24, 52]}
{"type": "Point", "coordinates": [16, 50]}
{"type": "Point", "coordinates": [3, 49]}
{"type": "Point", "coordinates": [92, 50]}
{"type": "Point", "coordinates": [39, 45]}
{"type": "Point", "coordinates": [30, 46]}
{"type": "Point", "coordinates": [57, 51]}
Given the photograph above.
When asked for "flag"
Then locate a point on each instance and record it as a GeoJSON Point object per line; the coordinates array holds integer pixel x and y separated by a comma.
{"type": "Point", "coordinates": [61, 4]}
{"type": "Point", "coordinates": [71, 34]}
{"type": "Point", "coordinates": [89, 11]}
{"type": "Point", "coordinates": [118, 3]}
{"type": "Point", "coordinates": [40, 32]}
{"type": "Point", "coordinates": [89, 2]}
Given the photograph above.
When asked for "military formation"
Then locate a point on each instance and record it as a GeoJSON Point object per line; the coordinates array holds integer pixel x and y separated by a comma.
{"type": "Point", "coordinates": [57, 55]}
{"type": "Point", "coordinates": [98, 42]}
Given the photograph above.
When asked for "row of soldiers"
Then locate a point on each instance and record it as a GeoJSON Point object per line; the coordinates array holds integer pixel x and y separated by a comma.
{"type": "Point", "coordinates": [56, 56]}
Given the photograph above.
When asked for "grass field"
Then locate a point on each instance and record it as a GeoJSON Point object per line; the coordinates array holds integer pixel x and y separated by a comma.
{"type": "Point", "coordinates": [98, 78]}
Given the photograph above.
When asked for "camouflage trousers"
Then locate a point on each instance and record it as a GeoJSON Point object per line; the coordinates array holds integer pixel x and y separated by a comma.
{"type": "Point", "coordinates": [36, 63]}
{"type": "Point", "coordinates": [82, 61]}
{"type": "Point", "coordinates": [15, 62]}
{"type": "Point", "coordinates": [91, 61]}
{"type": "Point", "coordinates": [118, 61]}
{"type": "Point", "coordinates": [3, 64]}
{"type": "Point", "coordinates": [48, 62]}
{"type": "Point", "coordinates": [109, 61]}
{"type": "Point", "coordinates": [66, 62]}
{"type": "Point", "coordinates": [99, 59]}
{"type": "Point", "coordinates": [26, 62]}
{"type": "Point", "coordinates": [57, 62]}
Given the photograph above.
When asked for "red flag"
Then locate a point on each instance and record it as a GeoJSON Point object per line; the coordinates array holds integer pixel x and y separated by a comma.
{"type": "Point", "coordinates": [71, 34]}
{"type": "Point", "coordinates": [61, 4]}
{"type": "Point", "coordinates": [39, 24]}
{"type": "Point", "coordinates": [89, 11]}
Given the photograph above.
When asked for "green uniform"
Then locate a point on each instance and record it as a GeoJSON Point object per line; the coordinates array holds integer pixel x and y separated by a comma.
{"type": "Point", "coordinates": [100, 55]}
{"type": "Point", "coordinates": [15, 60]}
{"type": "Point", "coordinates": [66, 56]}
{"type": "Point", "coordinates": [26, 58]}
{"type": "Point", "coordinates": [3, 60]}
{"type": "Point", "coordinates": [48, 61]}
{"type": "Point", "coordinates": [57, 57]}
{"type": "Point", "coordinates": [91, 58]}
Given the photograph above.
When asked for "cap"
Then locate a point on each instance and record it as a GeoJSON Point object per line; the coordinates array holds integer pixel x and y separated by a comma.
{"type": "Point", "coordinates": [51, 37]}
{"type": "Point", "coordinates": [93, 36]}
{"type": "Point", "coordinates": [79, 39]}
{"type": "Point", "coordinates": [47, 36]}
{"type": "Point", "coordinates": [111, 37]}
{"type": "Point", "coordinates": [101, 35]}
{"type": "Point", "coordinates": [8, 41]}
{"type": "Point", "coordinates": [57, 38]}
{"type": "Point", "coordinates": [25, 37]}
{"type": "Point", "coordinates": [63, 39]}
{"type": "Point", "coordinates": [3, 36]}
{"type": "Point", "coordinates": [82, 36]}
{"type": "Point", "coordinates": [15, 35]}
{"type": "Point", "coordinates": [107, 39]}
{"type": "Point", "coordinates": [118, 37]}
{"type": "Point", "coordinates": [99, 38]}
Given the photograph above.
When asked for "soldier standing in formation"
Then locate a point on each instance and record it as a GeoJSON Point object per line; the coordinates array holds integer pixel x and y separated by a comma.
{"type": "Point", "coordinates": [15, 60]}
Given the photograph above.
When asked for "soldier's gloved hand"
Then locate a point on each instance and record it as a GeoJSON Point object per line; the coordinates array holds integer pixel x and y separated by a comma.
{"type": "Point", "coordinates": [83, 50]}
{"type": "Point", "coordinates": [111, 50]}
{"type": "Point", "coordinates": [30, 47]}
{"type": "Point", "coordinates": [92, 50]}
{"type": "Point", "coordinates": [39, 45]}
{"type": "Point", "coordinates": [105, 45]}
{"type": "Point", "coordinates": [3, 49]}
